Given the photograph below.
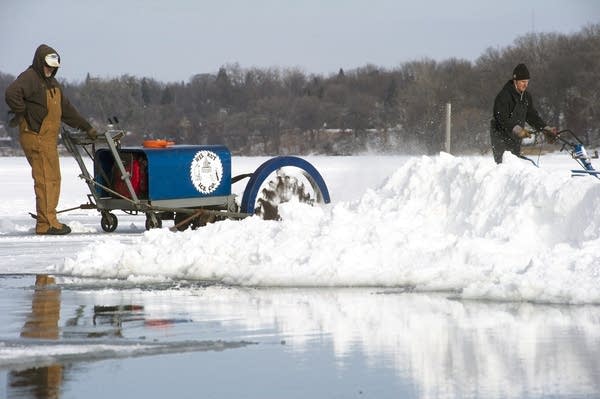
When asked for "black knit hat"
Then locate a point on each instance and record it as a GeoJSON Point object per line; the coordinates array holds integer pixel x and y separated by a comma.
{"type": "Point", "coordinates": [521, 72]}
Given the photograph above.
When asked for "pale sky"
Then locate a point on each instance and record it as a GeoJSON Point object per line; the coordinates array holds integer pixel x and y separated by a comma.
{"type": "Point", "coordinates": [172, 40]}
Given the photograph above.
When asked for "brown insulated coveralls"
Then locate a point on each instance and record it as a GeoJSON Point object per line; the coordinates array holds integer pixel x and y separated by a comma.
{"type": "Point", "coordinates": [40, 106]}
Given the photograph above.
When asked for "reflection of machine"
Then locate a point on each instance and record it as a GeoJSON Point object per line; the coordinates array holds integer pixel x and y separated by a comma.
{"type": "Point", "coordinates": [115, 315]}
{"type": "Point", "coordinates": [188, 183]}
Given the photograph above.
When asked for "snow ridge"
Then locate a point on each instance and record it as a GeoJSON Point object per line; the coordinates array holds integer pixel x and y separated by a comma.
{"type": "Point", "coordinates": [510, 232]}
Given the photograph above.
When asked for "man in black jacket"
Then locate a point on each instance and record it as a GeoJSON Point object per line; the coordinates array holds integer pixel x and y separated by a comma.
{"type": "Point", "coordinates": [513, 108]}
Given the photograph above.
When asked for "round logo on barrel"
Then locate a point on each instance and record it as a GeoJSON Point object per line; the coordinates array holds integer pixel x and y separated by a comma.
{"type": "Point", "coordinates": [206, 171]}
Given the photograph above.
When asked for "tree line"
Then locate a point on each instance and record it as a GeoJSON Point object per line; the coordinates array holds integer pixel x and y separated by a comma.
{"type": "Point", "coordinates": [266, 111]}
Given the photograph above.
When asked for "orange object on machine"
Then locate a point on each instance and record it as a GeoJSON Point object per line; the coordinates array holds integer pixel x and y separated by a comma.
{"type": "Point", "coordinates": [157, 143]}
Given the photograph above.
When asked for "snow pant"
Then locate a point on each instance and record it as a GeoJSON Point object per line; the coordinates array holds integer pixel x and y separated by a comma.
{"type": "Point", "coordinates": [503, 142]}
{"type": "Point", "coordinates": [41, 151]}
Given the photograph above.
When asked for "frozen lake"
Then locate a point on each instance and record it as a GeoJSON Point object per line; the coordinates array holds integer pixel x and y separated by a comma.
{"type": "Point", "coordinates": [370, 303]}
{"type": "Point", "coordinates": [96, 339]}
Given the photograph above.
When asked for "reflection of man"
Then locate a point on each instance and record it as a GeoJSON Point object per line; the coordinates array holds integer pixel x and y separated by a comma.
{"type": "Point", "coordinates": [45, 310]}
{"type": "Point", "coordinates": [42, 323]}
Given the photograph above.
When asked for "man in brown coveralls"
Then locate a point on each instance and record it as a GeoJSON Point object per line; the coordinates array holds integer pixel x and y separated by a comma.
{"type": "Point", "coordinates": [40, 106]}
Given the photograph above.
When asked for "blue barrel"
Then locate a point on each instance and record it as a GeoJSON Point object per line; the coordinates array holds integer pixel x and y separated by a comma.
{"type": "Point", "coordinates": [175, 172]}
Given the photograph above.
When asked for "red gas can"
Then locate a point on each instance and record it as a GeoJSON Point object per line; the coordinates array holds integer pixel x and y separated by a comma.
{"type": "Point", "coordinates": [136, 166]}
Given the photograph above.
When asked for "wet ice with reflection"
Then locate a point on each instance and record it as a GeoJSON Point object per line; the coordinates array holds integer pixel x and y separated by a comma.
{"type": "Point", "coordinates": [441, 346]}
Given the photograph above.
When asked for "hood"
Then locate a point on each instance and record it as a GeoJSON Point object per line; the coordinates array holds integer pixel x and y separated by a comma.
{"type": "Point", "coordinates": [38, 59]}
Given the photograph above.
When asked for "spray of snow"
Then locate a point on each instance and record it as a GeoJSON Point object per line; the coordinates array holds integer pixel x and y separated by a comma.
{"type": "Point", "coordinates": [508, 232]}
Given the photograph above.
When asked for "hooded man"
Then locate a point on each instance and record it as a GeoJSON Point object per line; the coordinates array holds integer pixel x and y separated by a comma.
{"type": "Point", "coordinates": [513, 108]}
{"type": "Point", "coordinates": [40, 106]}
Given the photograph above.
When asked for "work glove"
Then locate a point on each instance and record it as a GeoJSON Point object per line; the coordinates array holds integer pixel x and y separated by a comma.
{"type": "Point", "coordinates": [92, 134]}
{"type": "Point", "coordinates": [521, 132]}
{"type": "Point", "coordinates": [551, 133]}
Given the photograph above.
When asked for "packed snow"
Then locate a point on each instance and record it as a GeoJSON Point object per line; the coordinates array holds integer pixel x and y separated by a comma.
{"type": "Point", "coordinates": [464, 225]}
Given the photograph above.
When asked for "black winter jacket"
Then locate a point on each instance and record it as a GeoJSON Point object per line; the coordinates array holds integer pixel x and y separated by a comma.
{"type": "Point", "coordinates": [512, 108]}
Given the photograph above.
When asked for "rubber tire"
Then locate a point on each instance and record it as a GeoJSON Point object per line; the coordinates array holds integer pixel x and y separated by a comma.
{"type": "Point", "coordinates": [109, 222]}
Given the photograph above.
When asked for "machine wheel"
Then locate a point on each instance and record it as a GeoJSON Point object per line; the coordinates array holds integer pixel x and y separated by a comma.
{"type": "Point", "coordinates": [152, 221]}
{"type": "Point", "coordinates": [281, 180]}
{"type": "Point", "coordinates": [109, 222]}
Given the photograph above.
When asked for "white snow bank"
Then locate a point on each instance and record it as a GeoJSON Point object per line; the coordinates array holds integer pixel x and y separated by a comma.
{"type": "Point", "coordinates": [508, 232]}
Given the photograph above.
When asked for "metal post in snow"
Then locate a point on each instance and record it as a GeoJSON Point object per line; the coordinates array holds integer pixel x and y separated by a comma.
{"type": "Point", "coordinates": [448, 127]}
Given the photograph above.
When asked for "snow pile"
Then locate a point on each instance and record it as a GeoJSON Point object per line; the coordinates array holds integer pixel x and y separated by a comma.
{"type": "Point", "coordinates": [508, 232]}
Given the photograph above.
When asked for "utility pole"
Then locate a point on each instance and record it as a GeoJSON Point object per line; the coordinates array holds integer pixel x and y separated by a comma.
{"type": "Point", "coordinates": [448, 140]}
